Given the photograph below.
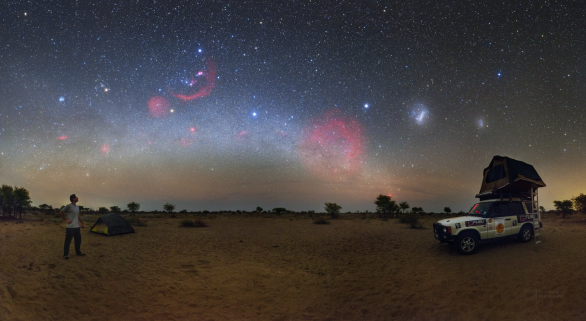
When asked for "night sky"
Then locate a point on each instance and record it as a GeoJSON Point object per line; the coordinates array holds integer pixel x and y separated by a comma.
{"type": "Point", "coordinates": [230, 105]}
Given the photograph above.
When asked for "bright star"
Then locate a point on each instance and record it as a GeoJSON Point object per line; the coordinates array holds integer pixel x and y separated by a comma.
{"type": "Point", "coordinates": [365, 105]}
{"type": "Point", "coordinates": [61, 99]}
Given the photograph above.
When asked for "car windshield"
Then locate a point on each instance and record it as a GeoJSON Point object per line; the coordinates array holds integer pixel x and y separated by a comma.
{"type": "Point", "coordinates": [480, 209]}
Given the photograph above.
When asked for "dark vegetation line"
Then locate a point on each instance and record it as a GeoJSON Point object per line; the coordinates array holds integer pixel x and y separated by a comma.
{"type": "Point", "coordinates": [15, 201]}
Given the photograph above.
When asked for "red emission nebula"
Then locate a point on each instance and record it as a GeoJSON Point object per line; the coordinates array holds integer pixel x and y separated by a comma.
{"type": "Point", "coordinates": [334, 144]}
{"type": "Point", "coordinates": [159, 106]}
{"type": "Point", "coordinates": [210, 79]}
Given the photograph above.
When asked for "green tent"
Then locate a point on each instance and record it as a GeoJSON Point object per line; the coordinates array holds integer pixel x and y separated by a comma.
{"type": "Point", "coordinates": [112, 224]}
{"type": "Point", "coordinates": [507, 175]}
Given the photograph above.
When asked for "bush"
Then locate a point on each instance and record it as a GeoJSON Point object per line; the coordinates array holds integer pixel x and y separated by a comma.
{"type": "Point", "coordinates": [136, 221]}
{"type": "Point", "coordinates": [417, 210]}
{"type": "Point", "coordinates": [412, 219]}
{"type": "Point", "coordinates": [279, 210]}
{"type": "Point", "coordinates": [333, 209]}
{"type": "Point", "coordinates": [193, 223]}
{"type": "Point", "coordinates": [321, 220]}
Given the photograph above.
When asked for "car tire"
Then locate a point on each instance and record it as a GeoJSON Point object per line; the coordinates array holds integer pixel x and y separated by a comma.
{"type": "Point", "coordinates": [525, 234]}
{"type": "Point", "coordinates": [466, 243]}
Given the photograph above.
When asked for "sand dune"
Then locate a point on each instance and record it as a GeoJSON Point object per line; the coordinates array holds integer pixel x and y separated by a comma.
{"type": "Point", "coordinates": [286, 268]}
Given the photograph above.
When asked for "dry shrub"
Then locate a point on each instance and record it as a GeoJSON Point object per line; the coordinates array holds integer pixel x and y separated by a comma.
{"type": "Point", "coordinates": [321, 220]}
{"type": "Point", "coordinates": [412, 219]}
{"type": "Point", "coordinates": [192, 223]}
{"type": "Point", "coordinates": [136, 221]}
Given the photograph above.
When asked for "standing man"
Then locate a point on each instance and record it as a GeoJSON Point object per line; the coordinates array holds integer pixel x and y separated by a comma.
{"type": "Point", "coordinates": [70, 214]}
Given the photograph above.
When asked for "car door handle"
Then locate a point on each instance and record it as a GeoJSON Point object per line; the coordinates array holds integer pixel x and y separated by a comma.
{"type": "Point", "coordinates": [508, 219]}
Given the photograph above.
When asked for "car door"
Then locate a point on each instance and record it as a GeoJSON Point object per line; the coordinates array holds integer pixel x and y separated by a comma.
{"type": "Point", "coordinates": [496, 223]}
{"type": "Point", "coordinates": [479, 220]}
{"type": "Point", "coordinates": [515, 209]}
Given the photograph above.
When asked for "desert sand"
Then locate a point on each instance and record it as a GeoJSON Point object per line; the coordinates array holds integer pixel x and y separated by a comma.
{"type": "Point", "coordinates": [287, 268]}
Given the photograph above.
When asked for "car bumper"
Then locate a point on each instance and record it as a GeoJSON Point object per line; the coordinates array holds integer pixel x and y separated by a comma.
{"type": "Point", "coordinates": [440, 235]}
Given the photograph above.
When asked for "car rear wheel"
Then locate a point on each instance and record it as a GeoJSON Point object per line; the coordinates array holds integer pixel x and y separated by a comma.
{"type": "Point", "coordinates": [467, 243]}
{"type": "Point", "coordinates": [525, 234]}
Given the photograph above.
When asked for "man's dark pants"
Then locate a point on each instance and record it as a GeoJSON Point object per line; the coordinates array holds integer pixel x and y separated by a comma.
{"type": "Point", "coordinates": [72, 233]}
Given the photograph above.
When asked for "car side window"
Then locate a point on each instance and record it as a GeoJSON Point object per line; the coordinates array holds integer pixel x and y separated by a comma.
{"type": "Point", "coordinates": [529, 206]}
{"type": "Point", "coordinates": [503, 209]}
{"type": "Point", "coordinates": [515, 208]}
{"type": "Point", "coordinates": [496, 211]}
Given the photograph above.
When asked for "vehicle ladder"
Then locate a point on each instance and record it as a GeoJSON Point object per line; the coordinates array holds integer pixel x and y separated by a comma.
{"type": "Point", "coordinates": [536, 228]}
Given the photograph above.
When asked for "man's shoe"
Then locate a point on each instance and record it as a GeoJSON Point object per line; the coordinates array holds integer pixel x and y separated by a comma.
{"type": "Point", "coordinates": [80, 254]}
{"type": "Point", "coordinates": [66, 257]}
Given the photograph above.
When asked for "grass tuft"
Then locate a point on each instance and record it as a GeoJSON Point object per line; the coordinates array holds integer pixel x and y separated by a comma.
{"type": "Point", "coordinates": [412, 219]}
{"type": "Point", "coordinates": [192, 223]}
{"type": "Point", "coordinates": [321, 220]}
{"type": "Point", "coordinates": [136, 221]}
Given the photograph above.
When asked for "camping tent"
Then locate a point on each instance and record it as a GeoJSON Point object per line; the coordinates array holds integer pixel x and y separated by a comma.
{"type": "Point", "coordinates": [507, 175]}
{"type": "Point", "coordinates": [112, 224]}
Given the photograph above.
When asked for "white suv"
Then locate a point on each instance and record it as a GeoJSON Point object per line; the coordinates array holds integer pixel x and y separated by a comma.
{"type": "Point", "coordinates": [489, 220]}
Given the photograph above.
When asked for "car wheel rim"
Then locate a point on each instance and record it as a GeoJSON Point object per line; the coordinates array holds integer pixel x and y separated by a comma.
{"type": "Point", "coordinates": [467, 244]}
{"type": "Point", "coordinates": [527, 234]}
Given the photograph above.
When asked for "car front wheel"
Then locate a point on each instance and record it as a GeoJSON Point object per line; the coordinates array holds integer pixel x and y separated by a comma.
{"type": "Point", "coordinates": [467, 243]}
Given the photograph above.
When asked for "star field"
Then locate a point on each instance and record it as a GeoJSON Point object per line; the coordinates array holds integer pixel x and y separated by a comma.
{"type": "Point", "coordinates": [232, 105]}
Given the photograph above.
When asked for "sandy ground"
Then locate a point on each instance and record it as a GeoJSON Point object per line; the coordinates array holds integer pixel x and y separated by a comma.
{"type": "Point", "coordinates": [255, 268]}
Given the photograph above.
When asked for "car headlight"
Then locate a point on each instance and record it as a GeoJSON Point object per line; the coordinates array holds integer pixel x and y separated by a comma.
{"type": "Point", "coordinates": [448, 229]}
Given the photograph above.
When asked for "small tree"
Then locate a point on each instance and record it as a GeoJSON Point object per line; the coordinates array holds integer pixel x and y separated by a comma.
{"type": "Point", "coordinates": [417, 210]}
{"type": "Point", "coordinates": [385, 205]}
{"type": "Point", "coordinates": [21, 200]}
{"type": "Point", "coordinates": [404, 206]}
{"type": "Point", "coordinates": [447, 210]}
{"type": "Point", "coordinates": [279, 210]}
{"type": "Point", "coordinates": [169, 208]}
{"type": "Point", "coordinates": [102, 210]}
{"type": "Point", "coordinates": [566, 207]}
{"type": "Point", "coordinates": [333, 209]}
{"type": "Point", "coordinates": [115, 209]}
{"type": "Point", "coordinates": [580, 203]}
{"type": "Point", "coordinates": [541, 210]}
{"type": "Point", "coordinates": [6, 199]}
{"type": "Point", "coordinates": [133, 207]}
{"type": "Point", "coordinates": [259, 209]}
{"type": "Point", "coordinates": [44, 207]}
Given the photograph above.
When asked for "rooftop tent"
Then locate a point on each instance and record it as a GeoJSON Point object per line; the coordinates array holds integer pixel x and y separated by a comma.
{"type": "Point", "coordinates": [507, 175]}
{"type": "Point", "coordinates": [112, 224]}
